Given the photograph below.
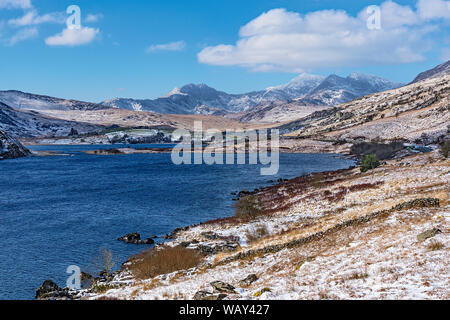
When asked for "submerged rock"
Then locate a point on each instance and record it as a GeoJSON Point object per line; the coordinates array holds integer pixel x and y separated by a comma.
{"type": "Point", "coordinates": [135, 238]}
{"type": "Point", "coordinates": [11, 148]}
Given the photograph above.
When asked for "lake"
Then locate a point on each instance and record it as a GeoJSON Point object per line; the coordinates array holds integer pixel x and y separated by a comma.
{"type": "Point", "coordinates": [61, 210]}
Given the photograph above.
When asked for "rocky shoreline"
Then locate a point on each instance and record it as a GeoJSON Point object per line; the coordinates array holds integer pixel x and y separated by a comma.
{"type": "Point", "coordinates": [11, 148]}
{"type": "Point", "coordinates": [223, 245]}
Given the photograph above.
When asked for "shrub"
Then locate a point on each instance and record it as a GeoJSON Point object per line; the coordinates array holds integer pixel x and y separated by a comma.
{"type": "Point", "coordinates": [369, 162]}
{"type": "Point", "coordinates": [444, 148]}
{"type": "Point", "coordinates": [154, 262]}
{"type": "Point", "coordinates": [105, 262]}
{"type": "Point", "coordinates": [435, 245]}
{"type": "Point", "coordinates": [248, 207]}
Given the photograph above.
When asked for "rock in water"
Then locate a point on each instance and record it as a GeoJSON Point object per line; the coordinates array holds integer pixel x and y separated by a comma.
{"type": "Point", "coordinates": [11, 148]}
{"type": "Point", "coordinates": [49, 290]}
{"type": "Point", "coordinates": [135, 238]}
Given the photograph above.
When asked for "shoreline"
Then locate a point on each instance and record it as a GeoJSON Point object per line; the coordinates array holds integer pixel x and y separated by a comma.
{"type": "Point", "coordinates": [213, 237]}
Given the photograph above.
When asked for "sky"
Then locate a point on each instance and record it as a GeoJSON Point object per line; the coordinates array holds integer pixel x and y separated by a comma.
{"type": "Point", "coordinates": [143, 49]}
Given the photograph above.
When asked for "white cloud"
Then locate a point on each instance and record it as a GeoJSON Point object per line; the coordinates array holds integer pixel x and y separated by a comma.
{"type": "Point", "coordinates": [288, 41]}
{"type": "Point", "coordinates": [12, 4]}
{"type": "Point", "coordinates": [23, 34]}
{"type": "Point", "coordinates": [434, 9]}
{"type": "Point", "coordinates": [93, 17]}
{"type": "Point", "coordinates": [33, 18]}
{"type": "Point", "coordinates": [73, 37]}
{"type": "Point", "coordinates": [172, 46]}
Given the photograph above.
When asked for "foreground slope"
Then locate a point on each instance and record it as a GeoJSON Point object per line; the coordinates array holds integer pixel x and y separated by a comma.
{"type": "Point", "coordinates": [339, 235]}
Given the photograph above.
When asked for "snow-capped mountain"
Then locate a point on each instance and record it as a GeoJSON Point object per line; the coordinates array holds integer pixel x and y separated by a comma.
{"type": "Point", "coordinates": [440, 70]}
{"type": "Point", "coordinates": [28, 101]}
{"type": "Point", "coordinates": [306, 88]}
{"type": "Point", "coordinates": [335, 90]}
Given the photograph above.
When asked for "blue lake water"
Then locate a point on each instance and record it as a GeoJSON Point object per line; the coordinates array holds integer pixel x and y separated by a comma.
{"type": "Point", "coordinates": [61, 210]}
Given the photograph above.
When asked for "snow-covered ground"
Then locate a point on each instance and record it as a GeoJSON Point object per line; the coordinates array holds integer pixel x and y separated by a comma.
{"type": "Point", "coordinates": [377, 259]}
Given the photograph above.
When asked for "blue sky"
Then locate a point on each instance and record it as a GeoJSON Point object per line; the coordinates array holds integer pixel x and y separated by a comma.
{"type": "Point", "coordinates": [143, 49]}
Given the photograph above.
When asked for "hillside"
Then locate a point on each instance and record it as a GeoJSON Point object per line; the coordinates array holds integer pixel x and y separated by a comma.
{"type": "Point", "coordinates": [440, 70]}
{"type": "Point", "coordinates": [33, 124]}
{"type": "Point", "coordinates": [409, 113]}
{"type": "Point", "coordinates": [27, 101]}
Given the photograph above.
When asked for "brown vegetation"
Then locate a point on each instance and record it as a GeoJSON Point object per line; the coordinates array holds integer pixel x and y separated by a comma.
{"type": "Point", "coordinates": [157, 261]}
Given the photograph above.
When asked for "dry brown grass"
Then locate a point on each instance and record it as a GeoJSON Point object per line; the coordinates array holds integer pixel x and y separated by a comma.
{"type": "Point", "coordinates": [257, 233]}
{"type": "Point", "coordinates": [154, 262]}
{"type": "Point", "coordinates": [435, 245]}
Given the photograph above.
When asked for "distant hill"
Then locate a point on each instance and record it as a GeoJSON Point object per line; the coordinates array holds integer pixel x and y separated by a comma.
{"type": "Point", "coordinates": [28, 101]}
{"type": "Point", "coordinates": [28, 123]}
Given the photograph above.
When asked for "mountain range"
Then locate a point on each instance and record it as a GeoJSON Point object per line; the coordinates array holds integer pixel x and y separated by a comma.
{"type": "Point", "coordinates": [31, 115]}
{"type": "Point", "coordinates": [307, 89]}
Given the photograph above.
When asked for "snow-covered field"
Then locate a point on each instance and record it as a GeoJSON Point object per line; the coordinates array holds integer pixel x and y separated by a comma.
{"type": "Point", "coordinates": [380, 258]}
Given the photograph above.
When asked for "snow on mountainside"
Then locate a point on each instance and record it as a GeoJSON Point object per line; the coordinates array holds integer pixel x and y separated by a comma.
{"type": "Point", "coordinates": [416, 112]}
{"type": "Point", "coordinates": [27, 101]}
{"type": "Point", "coordinates": [315, 90]}
{"type": "Point", "coordinates": [23, 123]}
{"type": "Point", "coordinates": [440, 70]}
{"type": "Point", "coordinates": [335, 90]}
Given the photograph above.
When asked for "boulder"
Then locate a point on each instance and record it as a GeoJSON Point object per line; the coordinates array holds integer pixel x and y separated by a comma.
{"type": "Point", "coordinates": [11, 148]}
{"type": "Point", "coordinates": [135, 238]}
{"type": "Point", "coordinates": [222, 287]}
{"type": "Point", "coordinates": [428, 234]}
{"type": "Point", "coordinates": [205, 295]}
{"type": "Point", "coordinates": [249, 280]}
{"type": "Point", "coordinates": [209, 235]}
{"type": "Point", "coordinates": [49, 290]}
{"type": "Point", "coordinates": [215, 249]}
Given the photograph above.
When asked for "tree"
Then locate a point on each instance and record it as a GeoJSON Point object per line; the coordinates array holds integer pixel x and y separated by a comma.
{"type": "Point", "coordinates": [105, 262]}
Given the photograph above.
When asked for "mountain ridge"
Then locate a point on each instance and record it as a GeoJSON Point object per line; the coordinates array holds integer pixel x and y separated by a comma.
{"type": "Point", "coordinates": [187, 99]}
